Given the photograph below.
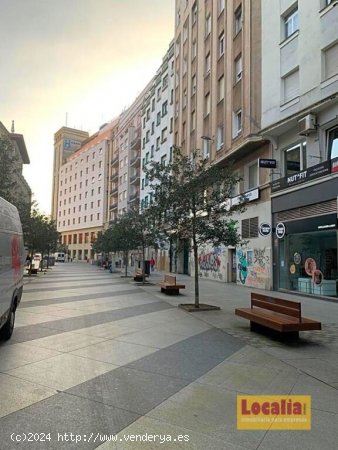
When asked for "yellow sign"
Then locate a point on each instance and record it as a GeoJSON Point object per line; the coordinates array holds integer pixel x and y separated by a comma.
{"type": "Point", "coordinates": [274, 412]}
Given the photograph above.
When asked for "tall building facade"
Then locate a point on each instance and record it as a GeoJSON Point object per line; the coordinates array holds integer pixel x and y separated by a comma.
{"type": "Point", "coordinates": [158, 136]}
{"type": "Point", "coordinates": [82, 207]}
{"type": "Point", "coordinates": [23, 193]}
{"type": "Point", "coordinates": [218, 111]}
{"type": "Point", "coordinates": [66, 141]}
{"type": "Point", "coordinates": [300, 116]}
{"type": "Point", "coordinates": [125, 159]}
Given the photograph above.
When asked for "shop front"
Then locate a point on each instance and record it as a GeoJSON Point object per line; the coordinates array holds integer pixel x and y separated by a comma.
{"type": "Point", "coordinates": [305, 240]}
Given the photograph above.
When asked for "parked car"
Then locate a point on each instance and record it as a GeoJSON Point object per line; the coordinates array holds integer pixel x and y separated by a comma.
{"type": "Point", "coordinates": [12, 260]}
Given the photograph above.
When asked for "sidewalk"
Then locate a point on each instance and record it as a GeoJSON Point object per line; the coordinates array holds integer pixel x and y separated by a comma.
{"type": "Point", "coordinates": [263, 366]}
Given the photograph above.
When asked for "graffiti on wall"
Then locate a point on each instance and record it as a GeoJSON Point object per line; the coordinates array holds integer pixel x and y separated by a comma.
{"type": "Point", "coordinates": [253, 267]}
{"type": "Point", "coordinates": [211, 263]}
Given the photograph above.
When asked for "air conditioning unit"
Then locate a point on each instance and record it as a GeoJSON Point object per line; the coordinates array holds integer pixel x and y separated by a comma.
{"type": "Point", "coordinates": [307, 125]}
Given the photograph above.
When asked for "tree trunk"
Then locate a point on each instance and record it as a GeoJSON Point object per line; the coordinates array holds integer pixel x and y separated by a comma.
{"type": "Point", "coordinates": [197, 293]}
{"type": "Point", "coordinates": [143, 264]}
{"type": "Point", "coordinates": [126, 262]}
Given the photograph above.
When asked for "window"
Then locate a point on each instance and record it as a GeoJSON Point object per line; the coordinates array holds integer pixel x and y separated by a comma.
{"type": "Point", "coordinates": [193, 84]}
{"type": "Point", "coordinates": [250, 228]}
{"type": "Point", "coordinates": [290, 86]}
{"type": "Point", "coordinates": [333, 143]}
{"type": "Point", "coordinates": [148, 114]}
{"type": "Point", "coordinates": [158, 143]}
{"type": "Point", "coordinates": [221, 44]}
{"type": "Point", "coordinates": [238, 19]}
{"type": "Point", "coordinates": [208, 25]}
{"type": "Point", "coordinates": [221, 5]}
{"type": "Point", "coordinates": [165, 82]}
{"type": "Point", "coordinates": [194, 13]}
{"type": "Point", "coordinates": [185, 33]}
{"type": "Point", "coordinates": [207, 104]}
{"type": "Point", "coordinates": [152, 152]}
{"type": "Point", "coordinates": [153, 104]}
{"type": "Point", "coordinates": [193, 120]}
{"type": "Point", "coordinates": [206, 148]}
{"type": "Point", "coordinates": [163, 160]}
{"type": "Point", "coordinates": [207, 63]}
{"type": "Point", "coordinates": [193, 49]}
{"type": "Point", "coordinates": [220, 88]}
{"type": "Point", "coordinates": [237, 125]}
{"type": "Point", "coordinates": [159, 94]}
{"type": "Point", "coordinates": [238, 69]}
{"type": "Point", "coordinates": [184, 102]}
{"type": "Point", "coordinates": [295, 159]}
{"type": "Point", "coordinates": [164, 108]}
{"type": "Point", "coordinates": [158, 118]}
{"type": "Point", "coordinates": [164, 135]}
{"type": "Point", "coordinates": [253, 176]}
{"type": "Point", "coordinates": [220, 137]}
{"type": "Point", "coordinates": [330, 61]}
{"type": "Point", "coordinates": [147, 136]}
{"type": "Point", "coordinates": [291, 23]}
{"type": "Point", "coordinates": [152, 127]}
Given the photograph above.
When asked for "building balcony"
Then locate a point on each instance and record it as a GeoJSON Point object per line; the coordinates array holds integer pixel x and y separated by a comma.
{"type": "Point", "coordinates": [114, 190]}
{"type": "Point", "coordinates": [133, 197]}
{"type": "Point", "coordinates": [135, 161]}
{"type": "Point", "coordinates": [134, 178]}
{"type": "Point", "coordinates": [136, 142]}
{"type": "Point", "coordinates": [113, 205]}
{"type": "Point", "coordinates": [114, 176]}
{"type": "Point", "coordinates": [115, 160]}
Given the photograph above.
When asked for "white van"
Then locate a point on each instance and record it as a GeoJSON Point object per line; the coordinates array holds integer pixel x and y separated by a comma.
{"type": "Point", "coordinates": [11, 266]}
{"type": "Point", "coordinates": [60, 257]}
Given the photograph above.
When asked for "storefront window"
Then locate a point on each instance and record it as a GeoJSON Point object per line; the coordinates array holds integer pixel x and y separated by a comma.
{"type": "Point", "coordinates": [295, 159]}
{"type": "Point", "coordinates": [308, 263]}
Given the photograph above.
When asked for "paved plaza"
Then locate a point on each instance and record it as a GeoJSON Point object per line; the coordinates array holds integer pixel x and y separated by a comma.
{"type": "Point", "coordinates": [95, 355]}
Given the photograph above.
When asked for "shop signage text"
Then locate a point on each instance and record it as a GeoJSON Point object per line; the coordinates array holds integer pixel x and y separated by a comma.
{"type": "Point", "coordinates": [309, 174]}
{"type": "Point", "coordinates": [264, 229]}
{"type": "Point", "coordinates": [267, 163]}
{"type": "Point", "coordinates": [280, 230]}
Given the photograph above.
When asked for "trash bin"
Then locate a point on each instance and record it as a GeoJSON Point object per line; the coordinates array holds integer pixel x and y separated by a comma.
{"type": "Point", "coordinates": [146, 265]}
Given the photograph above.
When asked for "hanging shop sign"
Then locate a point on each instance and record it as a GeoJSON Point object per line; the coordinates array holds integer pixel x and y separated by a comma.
{"type": "Point", "coordinates": [280, 230]}
{"type": "Point", "coordinates": [264, 229]}
{"type": "Point", "coordinates": [309, 174]}
{"type": "Point", "coordinates": [266, 163]}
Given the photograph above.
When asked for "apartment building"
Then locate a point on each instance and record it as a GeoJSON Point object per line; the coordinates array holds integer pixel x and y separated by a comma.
{"type": "Point", "coordinates": [22, 192]}
{"type": "Point", "coordinates": [300, 117]}
{"type": "Point", "coordinates": [218, 111]}
{"type": "Point", "coordinates": [157, 135]}
{"type": "Point", "coordinates": [125, 159]}
{"type": "Point", "coordinates": [82, 208]}
{"type": "Point", "coordinates": [66, 141]}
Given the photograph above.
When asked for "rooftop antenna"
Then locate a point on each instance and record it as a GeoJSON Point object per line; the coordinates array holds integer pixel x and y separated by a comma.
{"type": "Point", "coordinates": [12, 129]}
{"type": "Point", "coordinates": [66, 119]}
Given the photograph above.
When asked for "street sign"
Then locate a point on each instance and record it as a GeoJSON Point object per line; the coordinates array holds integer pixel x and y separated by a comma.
{"type": "Point", "coordinates": [267, 163]}
{"type": "Point", "coordinates": [264, 229]}
{"type": "Point", "coordinates": [280, 230]}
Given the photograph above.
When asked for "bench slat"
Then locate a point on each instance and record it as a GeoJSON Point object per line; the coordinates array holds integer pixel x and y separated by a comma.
{"type": "Point", "coordinates": [278, 301]}
{"type": "Point", "coordinates": [289, 311]}
{"type": "Point", "coordinates": [277, 321]}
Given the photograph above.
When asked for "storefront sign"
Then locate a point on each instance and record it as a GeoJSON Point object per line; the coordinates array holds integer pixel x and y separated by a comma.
{"type": "Point", "coordinates": [264, 229]}
{"type": "Point", "coordinates": [280, 230]}
{"type": "Point", "coordinates": [247, 196]}
{"type": "Point", "coordinates": [309, 174]}
{"type": "Point", "coordinates": [267, 163]}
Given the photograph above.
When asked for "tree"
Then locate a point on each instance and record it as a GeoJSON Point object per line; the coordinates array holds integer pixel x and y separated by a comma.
{"type": "Point", "coordinates": [192, 203]}
{"type": "Point", "coordinates": [42, 235]}
{"type": "Point", "coordinates": [7, 164]}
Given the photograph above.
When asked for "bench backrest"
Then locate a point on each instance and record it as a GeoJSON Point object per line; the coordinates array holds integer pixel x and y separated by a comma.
{"type": "Point", "coordinates": [169, 279]}
{"type": "Point", "coordinates": [279, 305]}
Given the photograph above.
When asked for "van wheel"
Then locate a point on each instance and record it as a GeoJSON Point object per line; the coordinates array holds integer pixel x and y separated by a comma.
{"type": "Point", "coordinates": [7, 330]}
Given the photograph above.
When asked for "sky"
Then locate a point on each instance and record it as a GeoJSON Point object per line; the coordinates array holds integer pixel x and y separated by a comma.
{"type": "Point", "coordinates": [82, 61]}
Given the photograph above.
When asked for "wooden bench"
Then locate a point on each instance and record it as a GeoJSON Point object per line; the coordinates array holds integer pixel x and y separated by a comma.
{"type": "Point", "coordinates": [140, 275]}
{"type": "Point", "coordinates": [169, 285]}
{"type": "Point", "coordinates": [283, 316]}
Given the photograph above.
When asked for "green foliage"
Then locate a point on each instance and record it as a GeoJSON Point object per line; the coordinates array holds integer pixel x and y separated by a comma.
{"type": "Point", "coordinates": [191, 202]}
{"type": "Point", "coordinates": [7, 165]}
{"type": "Point", "coordinates": [42, 235]}
{"type": "Point", "coordinates": [191, 199]}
